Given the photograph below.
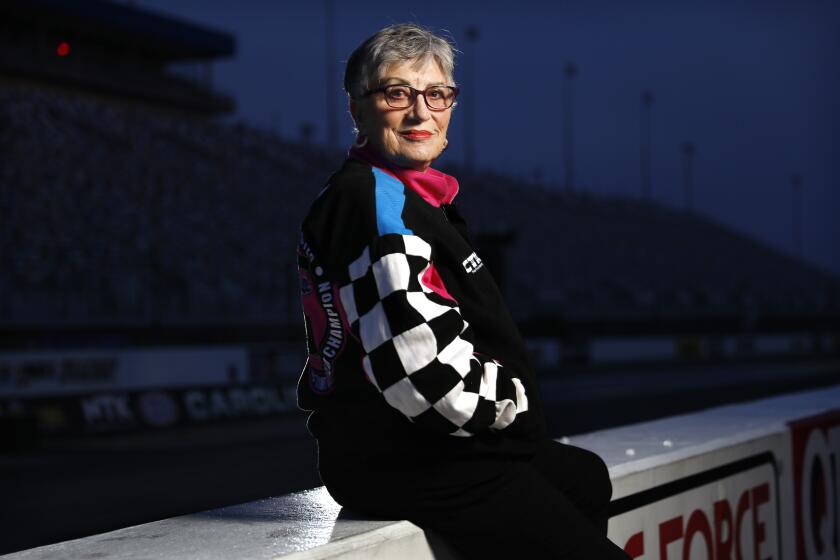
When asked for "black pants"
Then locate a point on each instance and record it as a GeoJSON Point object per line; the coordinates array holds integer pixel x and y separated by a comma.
{"type": "Point", "coordinates": [553, 506]}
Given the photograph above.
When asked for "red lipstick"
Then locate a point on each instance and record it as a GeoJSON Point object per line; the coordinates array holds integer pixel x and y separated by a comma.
{"type": "Point", "coordinates": [416, 134]}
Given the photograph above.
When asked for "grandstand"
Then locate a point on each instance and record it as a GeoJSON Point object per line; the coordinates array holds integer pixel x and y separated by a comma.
{"type": "Point", "coordinates": [125, 214]}
{"type": "Point", "coordinates": [587, 256]}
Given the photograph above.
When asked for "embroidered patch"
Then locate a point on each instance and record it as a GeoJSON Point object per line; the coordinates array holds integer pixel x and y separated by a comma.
{"type": "Point", "coordinates": [472, 263]}
{"type": "Point", "coordinates": [326, 321]}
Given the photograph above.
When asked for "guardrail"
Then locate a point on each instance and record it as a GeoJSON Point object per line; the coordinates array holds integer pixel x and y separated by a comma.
{"type": "Point", "coordinates": [748, 481]}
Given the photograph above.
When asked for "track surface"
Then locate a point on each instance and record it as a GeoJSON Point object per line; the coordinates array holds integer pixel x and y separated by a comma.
{"type": "Point", "coordinates": [70, 488]}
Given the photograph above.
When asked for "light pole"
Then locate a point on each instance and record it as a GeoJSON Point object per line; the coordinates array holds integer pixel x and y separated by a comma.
{"type": "Point", "coordinates": [796, 210]}
{"type": "Point", "coordinates": [688, 179]}
{"type": "Point", "coordinates": [469, 109]}
{"type": "Point", "coordinates": [644, 143]}
{"type": "Point", "coordinates": [330, 82]}
{"type": "Point", "coordinates": [570, 72]}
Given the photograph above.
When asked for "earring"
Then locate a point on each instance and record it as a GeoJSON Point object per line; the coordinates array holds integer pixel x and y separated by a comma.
{"type": "Point", "coordinates": [361, 140]}
{"type": "Point", "coordinates": [445, 143]}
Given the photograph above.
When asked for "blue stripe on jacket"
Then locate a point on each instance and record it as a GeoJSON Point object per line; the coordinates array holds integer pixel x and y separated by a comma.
{"type": "Point", "coordinates": [390, 201]}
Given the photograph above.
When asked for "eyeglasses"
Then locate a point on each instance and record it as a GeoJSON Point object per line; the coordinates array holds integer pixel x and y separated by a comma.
{"type": "Point", "coordinates": [438, 98]}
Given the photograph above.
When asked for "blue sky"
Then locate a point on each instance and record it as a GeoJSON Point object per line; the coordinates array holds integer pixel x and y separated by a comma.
{"type": "Point", "coordinates": [752, 84]}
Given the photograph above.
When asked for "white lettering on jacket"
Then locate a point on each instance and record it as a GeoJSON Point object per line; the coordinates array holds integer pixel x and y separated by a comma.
{"type": "Point", "coordinates": [472, 263]}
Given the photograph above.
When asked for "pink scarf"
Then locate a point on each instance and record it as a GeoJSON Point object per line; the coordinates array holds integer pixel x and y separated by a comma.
{"type": "Point", "coordinates": [435, 187]}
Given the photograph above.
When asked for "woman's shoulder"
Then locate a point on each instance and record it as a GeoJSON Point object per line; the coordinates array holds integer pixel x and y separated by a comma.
{"type": "Point", "coordinates": [347, 202]}
{"type": "Point", "coordinates": [354, 181]}
{"type": "Point", "coordinates": [342, 218]}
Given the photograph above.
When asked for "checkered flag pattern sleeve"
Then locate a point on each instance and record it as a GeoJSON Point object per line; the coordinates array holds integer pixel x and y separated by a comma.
{"type": "Point", "coordinates": [418, 349]}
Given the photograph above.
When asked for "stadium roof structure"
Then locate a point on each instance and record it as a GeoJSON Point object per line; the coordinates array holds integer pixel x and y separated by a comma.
{"type": "Point", "coordinates": [157, 35]}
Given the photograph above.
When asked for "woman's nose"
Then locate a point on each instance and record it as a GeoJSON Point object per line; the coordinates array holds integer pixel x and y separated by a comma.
{"type": "Point", "coordinates": [420, 109]}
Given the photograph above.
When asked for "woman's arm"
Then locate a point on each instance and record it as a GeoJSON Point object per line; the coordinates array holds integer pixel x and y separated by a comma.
{"type": "Point", "coordinates": [418, 348]}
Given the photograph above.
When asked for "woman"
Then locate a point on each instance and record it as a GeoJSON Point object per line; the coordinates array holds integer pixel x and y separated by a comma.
{"type": "Point", "coordinates": [425, 406]}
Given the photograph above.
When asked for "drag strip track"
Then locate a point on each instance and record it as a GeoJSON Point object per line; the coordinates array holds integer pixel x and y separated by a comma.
{"type": "Point", "coordinates": [74, 487]}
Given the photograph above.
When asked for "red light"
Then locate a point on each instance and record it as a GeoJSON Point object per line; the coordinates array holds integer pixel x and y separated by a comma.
{"type": "Point", "coordinates": [63, 49]}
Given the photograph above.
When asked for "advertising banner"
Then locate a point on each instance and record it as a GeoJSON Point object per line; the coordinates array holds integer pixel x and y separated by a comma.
{"type": "Point", "coordinates": [116, 411]}
{"type": "Point", "coordinates": [41, 374]}
{"type": "Point", "coordinates": [815, 444]}
{"type": "Point", "coordinates": [726, 512]}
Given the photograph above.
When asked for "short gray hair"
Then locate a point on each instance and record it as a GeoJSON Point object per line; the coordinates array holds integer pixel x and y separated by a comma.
{"type": "Point", "coordinates": [402, 42]}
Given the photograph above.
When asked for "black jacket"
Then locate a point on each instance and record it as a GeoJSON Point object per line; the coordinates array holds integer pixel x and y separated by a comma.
{"type": "Point", "coordinates": [411, 347]}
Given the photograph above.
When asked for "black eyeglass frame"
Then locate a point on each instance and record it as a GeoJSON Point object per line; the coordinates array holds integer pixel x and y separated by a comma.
{"type": "Point", "coordinates": [414, 93]}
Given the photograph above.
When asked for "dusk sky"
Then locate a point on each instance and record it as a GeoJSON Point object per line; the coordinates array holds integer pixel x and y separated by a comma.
{"type": "Point", "coordinates": [752, 84]}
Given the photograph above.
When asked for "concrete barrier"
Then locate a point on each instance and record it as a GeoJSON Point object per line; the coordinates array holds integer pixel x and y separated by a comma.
{"type": "Point", "coordinates": [745, 481]}
{"type": "Point", "coordinates": [748, 481]}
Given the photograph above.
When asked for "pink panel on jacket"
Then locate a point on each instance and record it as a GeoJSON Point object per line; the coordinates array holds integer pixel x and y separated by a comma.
{"type": "Point", "coordinates": [432, 280]}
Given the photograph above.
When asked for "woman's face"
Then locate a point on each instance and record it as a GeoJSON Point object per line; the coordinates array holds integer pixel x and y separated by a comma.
{"type": "Point", "coordinates": [411, 137]}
